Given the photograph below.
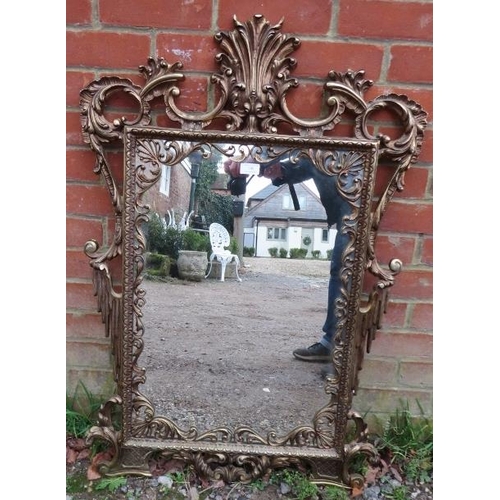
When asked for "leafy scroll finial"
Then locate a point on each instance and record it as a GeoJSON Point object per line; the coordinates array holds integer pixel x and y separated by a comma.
{"type": "Point", "coordinates": [161, 78]}
{"type": "Point", "coordinates": [255, 70]}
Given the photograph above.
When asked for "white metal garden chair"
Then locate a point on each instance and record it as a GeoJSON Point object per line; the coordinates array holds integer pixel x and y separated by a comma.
{"type": "Point", "coordinates": [220, 239]}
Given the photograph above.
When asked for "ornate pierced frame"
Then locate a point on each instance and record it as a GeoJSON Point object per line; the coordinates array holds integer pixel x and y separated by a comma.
{"type": "Point", "coordinates": [254, 79]}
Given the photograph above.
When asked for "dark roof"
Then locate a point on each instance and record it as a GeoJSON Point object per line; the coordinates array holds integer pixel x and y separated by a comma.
{"type": "Point", "coordinates": [264, 193]}
{"type": "Point", "coordinates": [270, 206]}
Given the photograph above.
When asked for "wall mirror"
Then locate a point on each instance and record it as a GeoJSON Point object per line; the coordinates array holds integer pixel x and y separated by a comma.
{"type": "Point", "coordinates": [250, 122]}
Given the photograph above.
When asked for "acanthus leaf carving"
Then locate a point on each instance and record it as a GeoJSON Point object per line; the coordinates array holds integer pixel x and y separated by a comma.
{"type": "Point", "coordinates": [255, 66]}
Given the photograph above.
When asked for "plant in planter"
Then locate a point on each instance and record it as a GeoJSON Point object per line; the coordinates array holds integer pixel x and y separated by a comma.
{"type": "Point", "coordinates": [174, 243]}
{"type": "Point", "coordinates": [192, 258]}
{"type": "Point", "coordinates": [248, 251]}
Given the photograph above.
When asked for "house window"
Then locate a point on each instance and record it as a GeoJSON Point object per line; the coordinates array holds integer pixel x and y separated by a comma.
{"type": "Point", "coordinates": [165, 179]}
{"type": "Point", "coordinates": [276, 233]}
{"type": "Point", "coordinates": [288, 202]}
{"type": "Point", "coordinates": [324, 236]}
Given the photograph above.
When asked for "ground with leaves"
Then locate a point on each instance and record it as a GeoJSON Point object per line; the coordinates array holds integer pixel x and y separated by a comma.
{"type": "Point", "coordinates": [169, 481]}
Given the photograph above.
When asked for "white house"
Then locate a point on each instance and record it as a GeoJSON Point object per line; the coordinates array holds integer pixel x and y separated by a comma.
{"type": "Point", "coordinates": [270, 220]}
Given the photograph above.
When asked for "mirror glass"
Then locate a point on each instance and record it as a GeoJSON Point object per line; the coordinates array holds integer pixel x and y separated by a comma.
{"type": "Point", "coordinates": [219, 354]}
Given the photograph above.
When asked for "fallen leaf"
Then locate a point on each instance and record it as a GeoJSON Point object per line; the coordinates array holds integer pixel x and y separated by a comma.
{"type": "Point", "coordinates": [71, 455]}
{"type": "Point", "coordinates": [173, 466]}
{"type": "Point", "coordinates": [384, 469]}
{"type": "Point", "coordinates": [205, 483]}
{"type": "Point", "coordinates": [356, 491]}
{"type": "Point", "coordinates": [372, 474]}
{"type": "Point", "coordinates": [92, 471]}
{"type": "Point", "coordinates": [77, 444]}
{"type": "Point", "coordinates": [396, 474]}
{"type": "Point", "coordinates": [82, 455]}
{"type": "Point", "coordinates": [92, 474]}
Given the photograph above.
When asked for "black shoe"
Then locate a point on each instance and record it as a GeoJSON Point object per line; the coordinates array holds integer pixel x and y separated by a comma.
{"type": "Point", "coordinates": [327, 371]}
{"type": "Point", "coordinates": [317, 352]}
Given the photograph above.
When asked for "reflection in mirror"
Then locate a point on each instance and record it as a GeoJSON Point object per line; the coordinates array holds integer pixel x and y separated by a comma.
{"type": "Point", "coordinates": [220, 354]}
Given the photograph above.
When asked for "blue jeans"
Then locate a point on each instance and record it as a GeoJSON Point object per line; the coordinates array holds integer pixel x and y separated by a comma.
{"type": "Point", "coordinates": [334, 285]}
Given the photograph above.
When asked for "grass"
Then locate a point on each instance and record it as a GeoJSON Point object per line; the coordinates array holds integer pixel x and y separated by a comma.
{"type": "Point", "coordinates": [299, 484]}
{"type": "Point", "coordinates": [81, 411]}
{"type": "Point", "coordinates": [408, 441]}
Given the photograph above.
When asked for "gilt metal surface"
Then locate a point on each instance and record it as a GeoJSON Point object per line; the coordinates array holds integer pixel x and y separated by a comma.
{"type": "Point", "coordinates": [253, 82]}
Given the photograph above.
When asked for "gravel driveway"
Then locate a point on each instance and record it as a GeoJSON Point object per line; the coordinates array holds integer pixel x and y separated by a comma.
{"type": "Point", "coordinates": [220, 353]}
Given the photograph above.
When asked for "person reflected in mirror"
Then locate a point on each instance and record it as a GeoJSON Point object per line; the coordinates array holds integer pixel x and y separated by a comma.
{"type": "Point", "coordinates": [336, 209]}
{"type": "Point", "coordinates": [321, 351]}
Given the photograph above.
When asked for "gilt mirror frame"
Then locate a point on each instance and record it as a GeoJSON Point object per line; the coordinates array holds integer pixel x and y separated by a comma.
{"type": "Point", "coordinates": [253, 82]}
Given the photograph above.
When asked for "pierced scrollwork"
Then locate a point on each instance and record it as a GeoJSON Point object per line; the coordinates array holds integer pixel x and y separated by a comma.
{"type": "Point", "coordinates": [106, 431]}
{"type": "Point", "coordinates": [254, 79]}
{"type": "Point", "coordinates": [402, 152]}
{"type": "Point", "coordinates": [233, 467]}
{"type": "Point", "coordinates": [359, 446]}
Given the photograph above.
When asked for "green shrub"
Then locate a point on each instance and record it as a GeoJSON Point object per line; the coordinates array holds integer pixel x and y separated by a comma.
{"type": "Point", "coordinates": [168, 240]}
{"type": "Point", "coordinates": [273, 251]}
{"type": "Point", "coordinates": [248, 251]}
{"type": "Point", "coordinates": [316, 254]}
{"type": "Point", "coordinates": [189, 239]}
{"type": "Point", "coordinates": [298, 253]}
{"type": "Point", "coordinates": [329, 254]}
{"type": "Point", "coordinates": [158, 264]}
{"type": "Point", "coordinates": [233, 245]}
{"type": "Point", "coordinates": [172, 242]}
{"type": "Point", "coordinates": [283, 253]}
{"type": "Point", "coordinates": [154, 260]}
{"type": "Point", "coordinates": [155, 234]}
{"type": "Point", "coordinates": [194, 240]}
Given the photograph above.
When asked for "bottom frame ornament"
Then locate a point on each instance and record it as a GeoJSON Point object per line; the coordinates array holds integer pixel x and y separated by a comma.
{"type": "Point", "coordinates": [234, 462]}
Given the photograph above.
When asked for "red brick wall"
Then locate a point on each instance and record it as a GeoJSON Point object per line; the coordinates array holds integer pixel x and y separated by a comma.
{"type": "Point", "coordinates": [391, 40]}
{"type": "Point", "coordinates": [178, 196]}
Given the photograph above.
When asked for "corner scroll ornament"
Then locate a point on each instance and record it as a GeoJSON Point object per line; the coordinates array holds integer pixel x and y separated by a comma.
{"type": "Point", "coordinates": [346, 90]}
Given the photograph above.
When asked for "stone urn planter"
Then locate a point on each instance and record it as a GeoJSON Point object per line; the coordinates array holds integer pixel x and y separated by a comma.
{"type": "Point", "coordinates": [192, 265]}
